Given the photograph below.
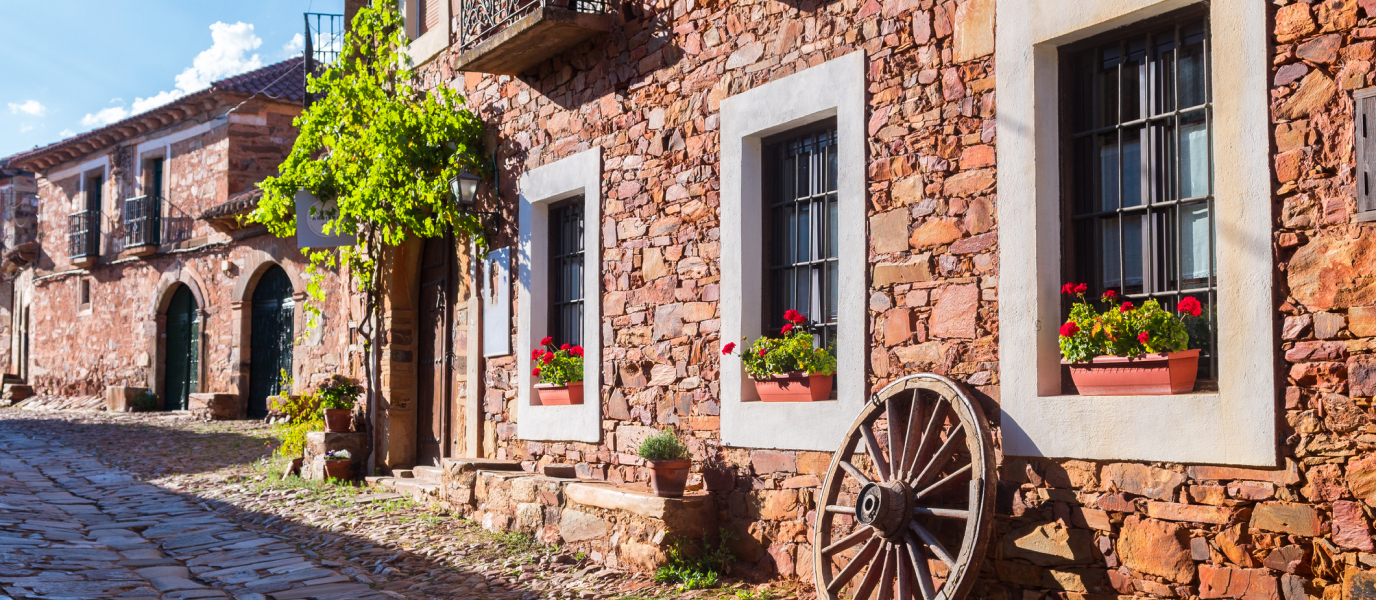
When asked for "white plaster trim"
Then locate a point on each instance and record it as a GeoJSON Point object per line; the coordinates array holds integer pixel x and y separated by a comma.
{"type": "Point", "coordinates": [83, 168]}
{"type": "Point", "coordinates": [1236, 425]}
{"type": "Point", "coordinates": [177, 136]}
{"type": "Point", "coordinates": [425, 47]}
{"type": "Point", "coordinates": [835, 88]}
{"type": "Point", "coordinates": [577, 174]}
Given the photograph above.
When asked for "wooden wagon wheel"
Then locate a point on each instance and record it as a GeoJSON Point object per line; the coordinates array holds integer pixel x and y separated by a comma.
{"type": "Point", "coordinates": [910, 517]}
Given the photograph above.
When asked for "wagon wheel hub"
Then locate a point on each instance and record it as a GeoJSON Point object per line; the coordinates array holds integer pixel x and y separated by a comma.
{"type": "Point", "coordinates": [884, 506]}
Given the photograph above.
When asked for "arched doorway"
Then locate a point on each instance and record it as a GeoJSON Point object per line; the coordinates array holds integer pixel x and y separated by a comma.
{"type": "Point", "coordinates": [182, 358]}
{"type": "Point", "coordinates": [433, 374]}
{"type": "Point", "coordinates": [271, 338]}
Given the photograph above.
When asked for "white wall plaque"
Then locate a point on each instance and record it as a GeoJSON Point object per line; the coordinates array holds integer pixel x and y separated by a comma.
{"type": "Point", "coordinates": [496, 276]}
{"type": "Point", "coordinates": [310, 228]}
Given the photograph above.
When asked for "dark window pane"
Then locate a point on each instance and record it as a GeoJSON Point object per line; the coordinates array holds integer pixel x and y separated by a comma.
{"type": "Point", "coordinates": [802, 237]}
{"type": "Point", "coordinates": [566, 271]}
{"type": "Point", "coordinates": [1107, 87]}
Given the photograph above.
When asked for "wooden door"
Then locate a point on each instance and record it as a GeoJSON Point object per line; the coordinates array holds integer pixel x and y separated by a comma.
{"type": "Point", "coordinates": [181, 356]}
{"type": "Point", "coordinates": [436, 334]}
{"type": "Point", "coordinates": [271, 339]}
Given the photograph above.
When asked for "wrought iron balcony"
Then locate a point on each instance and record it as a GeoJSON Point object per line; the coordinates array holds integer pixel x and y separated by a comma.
{"type": "Point", "coordinates": [508, 37]}
{"type": "Point", "coordinates": [324, 41]}
{"type": "Point", "coordinates": [83, 234]}
{"type": "Point", "coordinates": [142, 221]}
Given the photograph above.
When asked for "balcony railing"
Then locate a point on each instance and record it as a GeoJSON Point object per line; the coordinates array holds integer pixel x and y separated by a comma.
{"type": "Point", "coordinates": [83, 234]}
{"type": "Point", "coordinates": [324, 41]}
{"type": "Point", "coordinates": [142, 221]}
{"type": "Point", "coordinates": [511, 36]}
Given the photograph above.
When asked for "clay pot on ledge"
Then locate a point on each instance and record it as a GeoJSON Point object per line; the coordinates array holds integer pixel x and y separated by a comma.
{"type": "Point", "coordinates": [339, 420]}
{"type": "Point", "coordinates": [796, 386]}
{"type": "Point", "coordinates": [560, 395]}
{"type": "Point", "coordinates": [669, 477]}
{"type": "Point", "coordinates": [1146, 375]}
{"type": "Point", "coordinates": [338, 468]}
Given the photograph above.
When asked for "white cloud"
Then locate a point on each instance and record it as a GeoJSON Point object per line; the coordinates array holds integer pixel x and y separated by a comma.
{"type": "Point", "coordinates": [105, 116]}
{"type": "Point", "coordinates": [28, 107]}
{"type": "Point", "coordinates": [161, 98]}
{"type": "Point", "coordinates": [66, 133]}
{"type": "Point", "coordinates": [25, 128]}
{"type": "Point", "coordinates": [227, 56]}
{"type": "Point", "coordinates": [296, 46]}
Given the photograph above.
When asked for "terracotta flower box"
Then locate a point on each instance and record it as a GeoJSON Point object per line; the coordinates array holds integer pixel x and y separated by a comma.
{"type": "Point", "coordinates": [1148, 374]}
{"type": "Point", "coordinates": [338, 468]}
{"type": "Point", "coordinates": [560, 395]}
{"type": "Point", "coordinates": [795, 387]}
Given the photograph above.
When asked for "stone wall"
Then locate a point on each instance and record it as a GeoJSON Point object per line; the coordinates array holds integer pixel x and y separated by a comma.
{"type": "Point", "coordinates": [649, 95]}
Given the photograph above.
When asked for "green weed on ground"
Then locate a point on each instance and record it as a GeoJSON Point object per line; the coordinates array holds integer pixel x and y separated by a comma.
{"type": "Point", "coordinates": [701, 571]}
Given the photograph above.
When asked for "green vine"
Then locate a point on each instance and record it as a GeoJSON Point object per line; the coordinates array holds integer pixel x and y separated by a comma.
{"type": "Point", "coordinates": [378, 149]}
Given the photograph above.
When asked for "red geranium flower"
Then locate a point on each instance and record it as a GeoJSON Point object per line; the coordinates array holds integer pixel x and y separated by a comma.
{"type": "Point", "coordinates": [536, 354]}
{"type": "Point", "coordinates": [576, 351]}
{"type": "Point", "coordinates": [549, 357]}
{"type": "Point", "coordinates": [564, 347]}
{"type": "Point", "coordinates": [1069, 329]}
{"type": "Point", "coordinates": [1143, 337]}
{"type": "Point", "coordinates": [1081, 288]}
{"type": "Point", "coordinates": [547, 341]}
{"type": "Point", "coordinates": [1068, 288]}
{"type": "Point", "coordinates": [728, 348]}
{"type": "Point", "coordinates": [762, 352]}
{"type": "Point", "coordinates": [1190, 305]}
{"type": "Point", "coordinates": [1109, 295]}
{"type": "Point", "coordinates": [787, 328]}
{"type": "Point", "coordinates": [1127, 306]}
{"type": "Point", "coordinates": [536, 372]}
{"type": "Point", "coordinates": [794, 316]}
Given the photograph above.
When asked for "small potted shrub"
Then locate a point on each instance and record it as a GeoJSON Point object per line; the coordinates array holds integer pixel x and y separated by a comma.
{"type": "Point", "coordinates": [337, 463]}
{"type": "Point", "coordinates": [337, 395]}
{"type": "Point", "coordinates": [1126, 349]}
{"type": "Point", "coordinates": [667, 458]}
{"type": "Point", "coordinates": [560, 371]}
{"type": "Point", "coordinates": [789, 368]}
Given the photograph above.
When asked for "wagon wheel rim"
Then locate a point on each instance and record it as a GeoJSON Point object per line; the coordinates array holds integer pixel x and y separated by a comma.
{"type": "Point", "coordinates": [888, 528]}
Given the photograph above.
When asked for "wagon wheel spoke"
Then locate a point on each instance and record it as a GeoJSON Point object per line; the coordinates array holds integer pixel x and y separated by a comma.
{"type": "Point", "coordinates": [944, 482]}
{"type": "Point", "coordinates": [942, 513]}
{"type": "Point", "coordinates": [860, 535]}
{"type": "Point", "coordinates": [854, 471]}
{"type": "Point", "coordinates": [903, 589]}
{"type": "Point", "coordinates": [943, 455]}
{"type": "Point", "coordinates": [890, 573]}
{"type": "Point", "coordinates": [898, 418]}
{"type": "Point", "coordinates": [914, 432]}
{"type": "Point", "coordinates": [874, 574]}
{"type": "Point", "coordinates": [933, 544]}
{"type": "Point", "coordinates": [877, 457]}
{"type": "Point", "coordinates": [859, 562]}
{"type": "Point", "coordinates": [930, 434]}
{"type": "Point", "coordinates": [841, 510]}
{"type": "Point", "coordinates": [921, 572]}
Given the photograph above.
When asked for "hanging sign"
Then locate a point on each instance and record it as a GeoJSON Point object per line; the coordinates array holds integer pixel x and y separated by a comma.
{"type": "Point", "coordinates": [496, 297]}
{"type": "Point", "coordinates": [310, 229]}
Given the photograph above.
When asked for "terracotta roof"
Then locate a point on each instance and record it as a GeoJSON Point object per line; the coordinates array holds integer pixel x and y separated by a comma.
{"type": "Point", "coordinates": [237, 204]}
{"type": "Point", "coordinates": [284, 81]}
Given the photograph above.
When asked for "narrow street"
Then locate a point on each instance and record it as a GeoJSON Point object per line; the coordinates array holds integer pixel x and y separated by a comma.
{"type": "Point", "coordinates": [157, 505]}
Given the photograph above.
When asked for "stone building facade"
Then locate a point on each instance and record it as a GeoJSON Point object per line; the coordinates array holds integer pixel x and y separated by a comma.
{"type": "Point", "coordinates": [956, 128]}
{"type": "Point", "coordinates": [157, 288]}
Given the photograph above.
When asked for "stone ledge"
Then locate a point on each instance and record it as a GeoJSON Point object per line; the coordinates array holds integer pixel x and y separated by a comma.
{"type": "Point", "coordinates": [213, 407]}
{"type": "Point", "coordinates": [632, 500]}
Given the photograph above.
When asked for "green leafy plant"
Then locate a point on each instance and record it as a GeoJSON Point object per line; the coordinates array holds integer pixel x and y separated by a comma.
{"type": "Point", "coordinates": [145, 402]}
{"type": "Point", "coordinates": [664, 445]}
{"type": "Point", "coordinates": [337, 392]}
{"type": "Point", "coordinates": [302, 416]}
{"type": "Point", "coordinates": [557, 366]}
{"type": "Point", "coordinates": [792, 352]}
{"type": "Point", "coordinates": [700, 570]}
{"type": "Point", "coordinates": [1123, 329]}
{"type": "Point", "coordinates": [378, 150]}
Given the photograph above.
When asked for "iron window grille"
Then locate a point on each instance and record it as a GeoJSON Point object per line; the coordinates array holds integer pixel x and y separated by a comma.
{"type": "Point", "coordinates": [566, 271]}
{"type": "Point", "coordinates": [1140, 184]}
{"type": "Point", "coordinates": [324, 42]}
{"type": "Point", "coordinates": [481, 19]}
{"type": "Point", "coordinates": [83, 234]}
{"type": "Point", "coordinates": [800, 233]}
{"type": "Point", "coordinates": [142, 221]}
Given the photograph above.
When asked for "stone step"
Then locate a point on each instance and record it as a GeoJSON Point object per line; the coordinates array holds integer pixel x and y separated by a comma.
{"type": "Point", "coordinates": [427, 474]}
{"type": "Point", "coordinates": [420, 492]}
{"type": "Point", "coordinates": [483, 464]}
{"type": "Point", "coordinates": [403, 473]}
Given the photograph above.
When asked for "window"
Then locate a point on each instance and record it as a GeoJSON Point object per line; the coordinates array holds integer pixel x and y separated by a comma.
{"type": "Point", "coordinates": [153, 172]}
{"type": "Point", "coordinates": [1365, 100]}
{"type": "Point", "coordinates": [801, 232]}
{"type": "Point", "coordinates": [83, 226]}
{"type": "Point", "coordinates": [84, 294]}
{"type": "Point", "coordinates": [1140, 175]}
{"type": "Point", "coordinates": [566, 271]}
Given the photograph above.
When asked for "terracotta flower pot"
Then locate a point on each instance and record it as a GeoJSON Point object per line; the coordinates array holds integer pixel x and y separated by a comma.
{"type": "Point", "coordinates": [560, 395]}
{"type": "Point", "coordinates": [338, 468]}
{"type": "Point", "coordinates": [339, 420]}
{"type": "Point", "coordinates": [795, 387]}
{"type": "Point", "coordinates": [669, 477]}
{"type": "Point", "coordinates": [1149, 374]}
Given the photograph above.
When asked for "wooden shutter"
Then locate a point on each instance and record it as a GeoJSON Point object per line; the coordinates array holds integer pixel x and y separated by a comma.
{"type": "Point", "coordinates": [1366, 152]}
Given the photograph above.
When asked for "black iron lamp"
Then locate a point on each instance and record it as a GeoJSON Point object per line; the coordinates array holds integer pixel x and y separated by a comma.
{"type": "Point", "coordinates": [465, 191]}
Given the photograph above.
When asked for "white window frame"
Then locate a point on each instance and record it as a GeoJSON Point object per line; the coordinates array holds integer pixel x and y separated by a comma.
{"type": "Point", "coordinates": [539, 188]}
{"type": "Point", "coordinates": [424, 47]}
{"type": "Point", "coordinates": [1235, 425]}
{"type": "Point", "coordinates": [834, 89]}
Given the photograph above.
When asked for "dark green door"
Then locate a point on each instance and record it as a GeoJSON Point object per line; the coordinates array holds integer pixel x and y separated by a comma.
{"type": "Point", "coordinates": [183, 349]}
{"type": "Point", "coordinates": [271, 339]}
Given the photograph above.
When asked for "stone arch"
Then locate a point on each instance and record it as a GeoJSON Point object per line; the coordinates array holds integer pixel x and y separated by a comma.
{"type": "Point", "coordinates": [178, 274]}
{"type": "Point", "coordinates": [255, 264]}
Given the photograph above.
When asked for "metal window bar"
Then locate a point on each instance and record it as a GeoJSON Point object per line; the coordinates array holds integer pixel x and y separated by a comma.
{"type": "Point", "coordinates": [1162, 198]}
{"type": "Point", "coordinates": [481, 19]}
{"type": "Point", "coordinates": [324, 42]}
{"type": "Point", "coordinates": [566, 272]}
{"type": "Point", "coordinates": [803, 237]}
{"type": "Point", "coordinates": [83, 234]}
{"type": "Point", "coordinates": [142, 221]}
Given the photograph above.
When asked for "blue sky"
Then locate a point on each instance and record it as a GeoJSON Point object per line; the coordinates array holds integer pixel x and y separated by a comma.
{"type": "Point", "coordinates": [69, 66]}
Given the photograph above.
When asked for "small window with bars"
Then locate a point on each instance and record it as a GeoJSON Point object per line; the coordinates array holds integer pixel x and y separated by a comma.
{"type": "Point", "coordinates": [1139, 170]}
{"type": "Point", "coordinates": [566, 271]}
{"type": "Point", "coordinates": [800, 230]}
{"type": "Point", "coordinates": [84, 294]}
{"type": "Point", "coordinates": [1365, 99]}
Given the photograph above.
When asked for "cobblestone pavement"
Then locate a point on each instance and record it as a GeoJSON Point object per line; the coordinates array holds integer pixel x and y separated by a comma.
{"type": "Point", "coordinates": [157, 505]}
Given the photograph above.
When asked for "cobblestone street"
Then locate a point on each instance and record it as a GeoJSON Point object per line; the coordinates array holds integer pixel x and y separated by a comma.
{"type": "Point", "coordinates": [157, 505]}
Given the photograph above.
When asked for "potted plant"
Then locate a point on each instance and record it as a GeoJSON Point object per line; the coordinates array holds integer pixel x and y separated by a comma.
{"type": "Point", "coordinates": [337, 463]}
{"type": "Point", "coordinates": [337, 395]}
{"type": "Point", "coordinates": [1128, 350]}
{"type": "Point", "coordinates": [789, 368]}
{"type": "Point", "coordinates": [667, 458]}
{"type": "Point", "coordinates": [560, 371]}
